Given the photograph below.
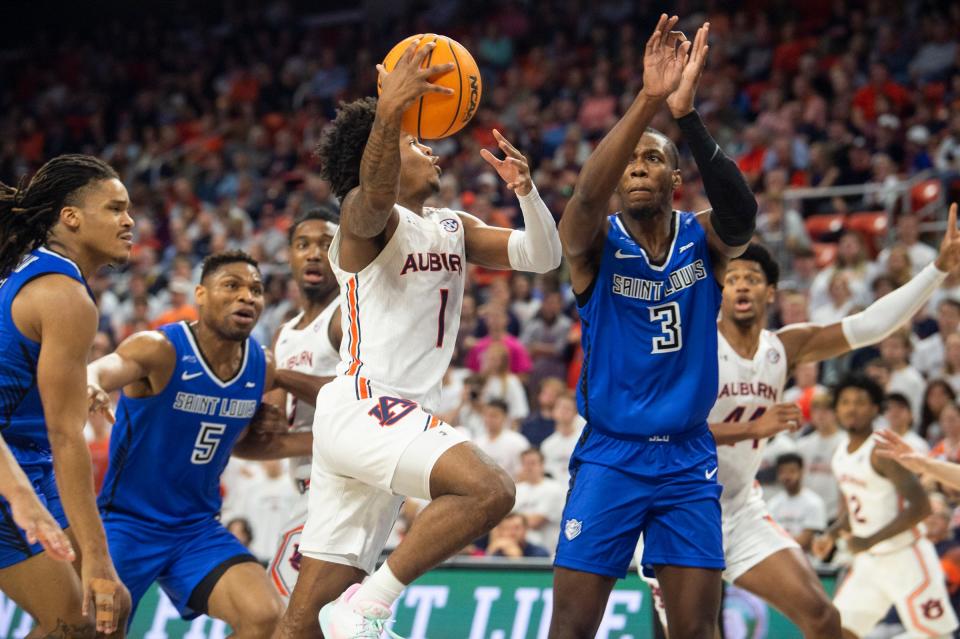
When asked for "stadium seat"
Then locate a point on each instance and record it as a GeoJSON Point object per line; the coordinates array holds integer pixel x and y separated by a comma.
{"type": "Point", "coordinates": [871, 225]}
{"type": "Point", "coordinates": [824, 253]}
{"type": "Point", "coordinates": [925, 193]}
{"type": "Point", "coordinates": [824, 225]}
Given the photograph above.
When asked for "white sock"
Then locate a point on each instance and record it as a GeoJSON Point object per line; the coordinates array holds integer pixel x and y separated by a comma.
{"type": "Point", "coordinates": [382, 586]}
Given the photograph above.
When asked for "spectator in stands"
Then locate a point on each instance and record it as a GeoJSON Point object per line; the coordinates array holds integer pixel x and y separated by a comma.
{"type": "Point", "coordinates": [539, 424]}
{"type": "Point", "coordinates": [817, 449]}
{"type": "Point", "coordinates": [468, 413]}
{"type": "Point", "coordinates": [558, 447]}
{"type": "Point", "coordinates": [805, 387]}
{"type": "Point", "coordinates": [898, 411]}
{"type": "Point", "coordinates": [523, 304]}
{"type": "Point", "coordinates": [502, 444]}
{"type": "Point", "coordinates": [851, 260]}
{"type": "Point", "coordinates": [509, 539]}
{"type": "Point", "coordinates": [929, 353]}
{"type": "Point", "coordinates": [799, 510]}
{"type": "Point", "coordinates": [540, 500]}
{"type": "Point", "coordinates": [948, 448]}
{"type": "Point", "coordinates": [496, 322]}
{"type": "Point", "coordinates": [947, 158]}
{"type": "Point", "coordinates": [840, 302]}
{"type": "Point", "coordinates": [181, 307]}
{"type": "Point", "coordinates": [908, 235]}
{"type": "Point", "coordinates": [898, 267]}
{"type": "Point", "coordinates": [904, 378]}
{"type": "Point", "coordinates": [545, 337]}
{"type": "Point", "coordinates": [951, 361]}
{"type": "Point", "coordinates": [502, 384]}
{"type": "Point", "coordinates": [938, 394]}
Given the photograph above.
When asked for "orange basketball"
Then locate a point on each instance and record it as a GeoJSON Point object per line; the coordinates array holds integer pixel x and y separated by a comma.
{"type": "Point", "coordinates": [436, 116]}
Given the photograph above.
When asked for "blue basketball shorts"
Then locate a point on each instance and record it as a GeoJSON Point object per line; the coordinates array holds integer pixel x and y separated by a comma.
{"type": "Point", "coordinates": [38, 466]}
{"type": "Point", "coordinates": [664, 487]}
{"type": "Point", "coordinates": [187, 561]}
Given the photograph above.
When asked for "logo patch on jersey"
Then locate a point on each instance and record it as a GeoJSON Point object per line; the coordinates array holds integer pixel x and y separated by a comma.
{"type": "Point", "coordinates": [710, 473]}
{"type": "Point", "coordinates": [450, 225]}
{"type": "Point", "coordinates": [250, 385]}
{"type": "Point", "coordinates": [773, 356]}
{"type": "Point", "coordinates": [190, 359]}
{"type": "Point", "coordinates": [620, 255]}
{"type": "Point", "coordinates": [572, 529]}
{"type": "Point", "coordinates": [932, 609]}
{"type": "Point", "coordinates": [686, 246]}
{"type": "Point", "coordinates": [188, 376]}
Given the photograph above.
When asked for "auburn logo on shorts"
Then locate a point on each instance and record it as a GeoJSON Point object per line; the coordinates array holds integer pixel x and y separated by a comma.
{"type": "Point", "coordinates": [932, 609]}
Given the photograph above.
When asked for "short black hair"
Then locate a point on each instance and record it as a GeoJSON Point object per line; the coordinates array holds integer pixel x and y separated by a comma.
{"type": "Point", "coordinates": [324, 213]}
{"type": "Point", "coordinates": [759, 254]}
{"type": "Point", "coordinates": [862, 382]}
{"type": "Point", "coordinates": [897, 398]}
{"type": "Point", "coordinates": [342, 143]}
{"type": "Point", "coordinates": [673, 154]}
{"type": "Point", "coordinates": [499, 404]}
{"type": "Point", "coordinates": [789, 458]}
{"type": "Point", "coordinates": [212, 263]}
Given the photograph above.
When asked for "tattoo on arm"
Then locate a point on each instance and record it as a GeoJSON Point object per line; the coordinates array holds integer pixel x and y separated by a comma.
{"type": "Point", "coordinates": [379, 179]}
{"type": "Point", "coordinates": [66, 630]}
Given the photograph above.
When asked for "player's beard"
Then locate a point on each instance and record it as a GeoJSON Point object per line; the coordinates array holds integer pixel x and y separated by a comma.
{"type": "Point", "coordinates": [646, 213]}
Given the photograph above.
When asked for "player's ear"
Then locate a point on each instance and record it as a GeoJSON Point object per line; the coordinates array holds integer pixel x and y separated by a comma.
{"type": "Point", "coordinates": [70, 217]}
{"type": "Point", "coordinates": [200, 294]}
{"type": "Point", "coordinates": [677, 179]}
{"type": "Point", "coordinates": [771, 294]}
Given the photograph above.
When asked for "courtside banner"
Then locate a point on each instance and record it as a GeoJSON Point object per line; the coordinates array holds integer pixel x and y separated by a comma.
{"type": "Point", "coordinates": [476, 601]}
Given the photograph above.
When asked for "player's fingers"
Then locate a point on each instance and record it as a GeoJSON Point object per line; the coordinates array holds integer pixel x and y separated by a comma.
{"type": "Point", "coordinates": [684, 51]}
{"type": "Point", "coordinates": [519, 163]}
{"type": "Point", "coordinates": [507, 147]}
{"type": "Point", "coordinates": [410, 52]}
{"type": "Point", "coordinates": [422, 53]}
{"type": "Point", "coordinates": [667, 29]}
{"type": "Point", "coordinates": [436, 88]}
{"type": "Point", "coordinates": [438, 70]}
{"type": "Point", "coordinates": [654, 41]}
{"type": "Point", "coordinates": [55, 541]}
{"type": "Point", "coordinates": [490, 158]}
{"type": "Point", "coordinates": [952, 220]}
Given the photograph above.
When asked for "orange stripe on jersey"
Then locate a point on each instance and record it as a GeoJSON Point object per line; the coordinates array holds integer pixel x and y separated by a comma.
{"type": "Point", "coordinates": [363, 386]}
{"type": "Point", "coordinates": [919, 591]}
{"type": "Point", "coordinates": [777, 527]}
{"type": "Point", "coordinates": [353, 333]}
{"type": "Point", "coordinates": [434, 422]}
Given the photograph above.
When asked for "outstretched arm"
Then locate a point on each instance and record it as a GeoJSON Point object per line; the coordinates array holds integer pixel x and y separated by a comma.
{"type": "Point", "coordinates": [583, 224]}
{"type": "Point", "coordinates": [366, 209]}
{"type": "Point", "coordinates": [267, 438]}
{"type": "Point", "coordinates": [892, 446]}
{"type": "Point", "coordinates": [144, 361]}
{"type": "Point", "coordinates": [811, 343]}
{"type": "Point", "coordinates": [733, 216]}
{"type": "Point", "coordinates": [778, 417]}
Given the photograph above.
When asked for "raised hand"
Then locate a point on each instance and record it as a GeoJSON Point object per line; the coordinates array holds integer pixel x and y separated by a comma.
{"type": "Point", "coordinates": [513, 169]}
{"type": "Point", "coordinates": [269, 419]}
{"type": "Point", "coordinates": [409, 80]}
{"type": "Point", "coordinates": [103, 590]}
{"type": "Point", "coordinates": [680, 102]}
{"type": "Point", "coordinates": [892, 446]}
{"type": "Point", "coordinates": [663, 59]}
{"type": "Point", "coordinates": [40, 526]}
{"type": "Point", "coordinates": [822, 546]}
{"type": "Point", "coordinates": [949, 257]}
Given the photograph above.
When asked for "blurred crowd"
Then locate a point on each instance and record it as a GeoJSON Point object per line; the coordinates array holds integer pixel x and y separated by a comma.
{"type": "Point", "coordinates": [211, 114]}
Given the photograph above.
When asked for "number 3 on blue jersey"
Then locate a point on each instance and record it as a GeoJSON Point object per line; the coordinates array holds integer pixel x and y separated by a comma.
{"type": "Point", "coordinates": [207, 441]}
{"type": "Point", "coordinates": [669, 317]}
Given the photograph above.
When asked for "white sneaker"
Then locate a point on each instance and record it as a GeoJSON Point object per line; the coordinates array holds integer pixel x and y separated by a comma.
{"type": "Point", "coordinates": [349, 619]}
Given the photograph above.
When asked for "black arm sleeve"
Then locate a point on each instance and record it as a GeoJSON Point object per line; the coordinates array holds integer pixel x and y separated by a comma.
{"type": "Point", "coordinates": [734, 215]}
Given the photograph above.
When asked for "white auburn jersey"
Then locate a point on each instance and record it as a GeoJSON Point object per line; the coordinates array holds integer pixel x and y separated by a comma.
{"type": "Point", "coordinates": [872, 500]}
{"type": "Point", "coordinates": [307, 350]}
{"type": "Point", "coordinates": [747, 387]}
{"type": "Point", "coordinates": [401, 313]}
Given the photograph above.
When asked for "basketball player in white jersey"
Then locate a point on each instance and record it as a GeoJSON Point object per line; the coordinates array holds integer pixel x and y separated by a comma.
{"type": "Point", "coordinates": [894, 563]}
{"type": "Point", "coordinates": [754, 366]}
{"type": "Point", "coordinates": [401, 270]}
{"type": "Point", "coordinates": [310, 344]}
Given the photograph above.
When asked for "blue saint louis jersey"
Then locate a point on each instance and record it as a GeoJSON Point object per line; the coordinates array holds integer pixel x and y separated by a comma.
{"type": "Point", "coordinates": [650, 336]}
{"type": "Point", "coordinates": [167, 451]}
{"type": "Point", "coordinates": [21, 412]}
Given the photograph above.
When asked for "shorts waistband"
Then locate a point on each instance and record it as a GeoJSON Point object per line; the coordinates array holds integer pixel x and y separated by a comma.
{"type": "Point", "coordinates": [653, 438]}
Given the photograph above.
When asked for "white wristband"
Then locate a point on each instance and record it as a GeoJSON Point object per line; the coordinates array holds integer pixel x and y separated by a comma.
{"type": "Point", "coordinates": [537, 247]}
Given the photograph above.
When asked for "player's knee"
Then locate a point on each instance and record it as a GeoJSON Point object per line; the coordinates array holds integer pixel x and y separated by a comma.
{"type": "Point", "coordinates": [693, 627]}
{"type": "Point", "coordinates": [823, 618]}
{"type": "Point", "coordinates": [500, 496]}
{"type": "Point", "coordinates": [260, 620]}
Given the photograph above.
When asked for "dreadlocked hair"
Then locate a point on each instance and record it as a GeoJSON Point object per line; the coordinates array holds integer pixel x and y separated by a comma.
{"type": "Point", "coordinates": [342, 142]}
{"type": "Point", "coordinates": [28, 213]}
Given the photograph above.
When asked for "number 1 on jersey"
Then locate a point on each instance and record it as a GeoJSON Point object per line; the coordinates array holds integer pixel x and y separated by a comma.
{"type": "Point", "coordinates": [441, 319]}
